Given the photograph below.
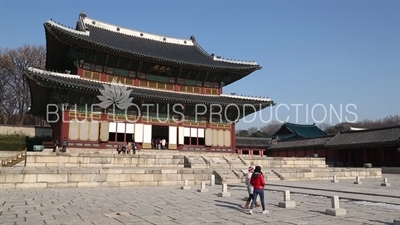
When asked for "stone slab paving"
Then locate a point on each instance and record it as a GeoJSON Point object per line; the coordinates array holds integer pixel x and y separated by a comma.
{"type": "Point", "coordinates": [171, 205]}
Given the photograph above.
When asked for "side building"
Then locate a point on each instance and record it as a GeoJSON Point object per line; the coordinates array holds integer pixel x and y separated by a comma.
{"type": "Point", "coordinates": [105, 85]}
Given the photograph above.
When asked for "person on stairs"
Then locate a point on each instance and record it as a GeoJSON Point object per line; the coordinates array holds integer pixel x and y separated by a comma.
{"type": "Point", "coordinates": [250, 188]}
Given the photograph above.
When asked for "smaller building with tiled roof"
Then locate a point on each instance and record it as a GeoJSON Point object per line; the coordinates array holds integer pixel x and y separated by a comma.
{"type": "Point", "coordinates": [299, 131]}
{"type": "Point", "coordinates": [252, 145]}
{"type": "Point", "coordinates": [371, 137]}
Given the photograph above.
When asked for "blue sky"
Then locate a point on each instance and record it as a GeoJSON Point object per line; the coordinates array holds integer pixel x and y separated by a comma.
{"type": "Point", "coordinates": [319, 55]}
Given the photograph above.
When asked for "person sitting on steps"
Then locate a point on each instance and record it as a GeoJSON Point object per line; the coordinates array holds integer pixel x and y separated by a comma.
{"type": "Point", "coordinates": [121, 148]}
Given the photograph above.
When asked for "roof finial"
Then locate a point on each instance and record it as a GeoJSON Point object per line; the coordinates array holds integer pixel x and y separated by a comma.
{"type": "Point", "coordinates": [82, 14]}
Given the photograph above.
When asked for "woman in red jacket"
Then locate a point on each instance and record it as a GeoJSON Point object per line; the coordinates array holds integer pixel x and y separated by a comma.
{"type": "Point", "coordinates": [258, 182]}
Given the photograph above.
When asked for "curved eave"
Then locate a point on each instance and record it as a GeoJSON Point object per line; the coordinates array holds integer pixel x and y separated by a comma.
{"type": "Point", "coordinates": [77, 83]}
{"type": "Point", "coordinates": [80, 40]}
{"type": "Point", "coordinates": [38, 97]}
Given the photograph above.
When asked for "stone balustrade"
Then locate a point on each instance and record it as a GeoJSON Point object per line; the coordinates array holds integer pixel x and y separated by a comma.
{"type": "Point", "coordinates": [328, 173]}
{"type": "Point", "coordinates": [285, 162]}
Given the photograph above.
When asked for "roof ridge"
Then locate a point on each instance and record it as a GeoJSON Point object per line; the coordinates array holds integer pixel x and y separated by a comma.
{"type": "Point", "coordinates": [133, 32]}
{"type": "Point", "coordinates": [297, 124]}
{"type": "Point", "coordinates": [300, 139]}
{"type": "Point", "coordinates": [373, 129]}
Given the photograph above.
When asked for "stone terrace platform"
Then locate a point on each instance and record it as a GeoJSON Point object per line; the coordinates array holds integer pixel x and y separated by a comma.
{"type": "Point", "coordinates": [157, 167]}
{"type": "Point", "coordinates": [171, 205]}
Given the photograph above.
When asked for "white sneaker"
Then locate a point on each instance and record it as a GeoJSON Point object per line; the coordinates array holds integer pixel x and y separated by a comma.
{"type": "Point", "coordinates": [265, 211]}
{"type": "Point", "coordinates": [251, 212]}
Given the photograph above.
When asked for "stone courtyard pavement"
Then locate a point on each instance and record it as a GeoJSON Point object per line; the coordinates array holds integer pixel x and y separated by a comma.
{"type": "Point", "coordinates": [171, 205]}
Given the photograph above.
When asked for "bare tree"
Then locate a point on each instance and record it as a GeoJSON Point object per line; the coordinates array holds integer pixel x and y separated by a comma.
{"type": "Point", "coordinates": [252, 130]}
{"type": "Point", "coordinates": [14, 89]}
{"type": "Point", "coordinates": [368, 124]}
{"type": "Point", "coordinates": [271, 127]}
{"type": "Point", "coordinates": [242, 133]}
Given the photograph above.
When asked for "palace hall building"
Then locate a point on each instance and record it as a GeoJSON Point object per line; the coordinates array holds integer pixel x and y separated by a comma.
{"type": "Point", "coordinates": [105, 85]}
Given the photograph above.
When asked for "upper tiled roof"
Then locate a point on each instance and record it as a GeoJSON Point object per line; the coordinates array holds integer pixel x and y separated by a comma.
{"type": "Point", "coordinates": [253, 142]}
{"type": "Point", "coordinates": [388, 135]}
{"type": "Point", "coordinates": [51, 79]}
{"type": "Point", "coordinates": [144, 45]}
{"type": "Point", "coordinates": [299, 131]}
{"type": "Point", "coordinates": [309, 142]}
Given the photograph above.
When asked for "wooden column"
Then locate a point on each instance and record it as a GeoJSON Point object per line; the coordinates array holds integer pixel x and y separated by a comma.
{"type": "Point", "coordinates": [80, 72]}
{"type": "Point", "coordinates": [335, 153]}
{"type": "Point", "coordinates": [348, 157]}
{"type": "Point", "coordinates": [64, 125]}
{"type": "Point", "coordinates": [382, 156]}
{"type": "Point", "coordinates": [365, 155]}
{"type": "Point", "coordinates": [233, 137]}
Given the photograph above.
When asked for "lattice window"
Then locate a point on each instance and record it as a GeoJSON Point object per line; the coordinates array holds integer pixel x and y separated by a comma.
{"type": "Point", "coordinates": [129, 81]}
{"type": "Point", "coordinates": [169, 87]}
{"type": "Point", "coordinates": [96, 76]}
{"type": "Point", "coordinates": [92, 75]}
{"type": "Point", "coordinates": [143, 83]}
{"type": "Point", "coordinates": [87, 74]}
{"type": "Point", "coordinates": [116, 79]}
{"type": "Point", "coordinates": [152, 84]}
{"type": "Point", "coordinates": [211, 91]}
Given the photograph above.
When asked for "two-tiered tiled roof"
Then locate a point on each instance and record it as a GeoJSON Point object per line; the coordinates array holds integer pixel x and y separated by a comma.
{"type": "Point", "coordinates": [156, 48]}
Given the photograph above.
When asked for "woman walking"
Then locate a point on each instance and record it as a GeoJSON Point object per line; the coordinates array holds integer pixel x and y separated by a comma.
{"type": "Point", "coordinates": [250, 188]}
{"type": "Point", "coordinates": [258, 182]}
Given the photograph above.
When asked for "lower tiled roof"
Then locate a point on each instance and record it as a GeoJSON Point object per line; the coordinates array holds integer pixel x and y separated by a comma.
{"type": "Point", "coordinates": [389, 135]}
{"type": "Point", "coordinates": [253, 142]}
{"type": "Point", "coordinates": [301, 143]}
{"type": "Point", "coordinates": [302, 130]}
{"type": "Point", "coordinates": [51, 79]}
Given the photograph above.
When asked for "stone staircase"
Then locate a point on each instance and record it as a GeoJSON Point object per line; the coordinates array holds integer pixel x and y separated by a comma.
{"type": "Point", "coordinates": [228, 176]}
{"type": "Point", "coordinates": [195, 162]}
{"type": "Point", "coordinates": [268, 174]}
{"type": "Point", "coordinates": [216, 162]}
{"type": "Point", "coordinates": [12, 158]}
